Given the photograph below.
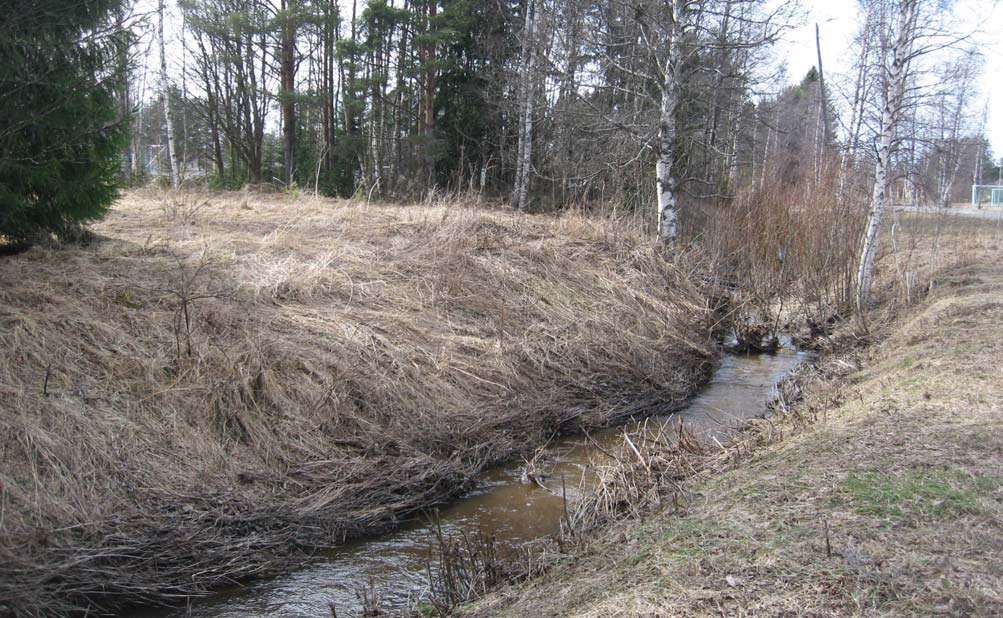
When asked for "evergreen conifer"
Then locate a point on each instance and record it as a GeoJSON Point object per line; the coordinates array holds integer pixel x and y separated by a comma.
{"type": "Point", "coordinates": [61, 132]}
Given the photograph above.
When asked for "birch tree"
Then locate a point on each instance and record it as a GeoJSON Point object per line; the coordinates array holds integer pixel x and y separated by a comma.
{"type": "Point", "coordinates": [524, 157]}
{"type": "Point", "coordinates": [676, 76]}
{"type": "Point", "coordinates": [917, 29]}
{"type": "Point", "coordinates": [898, 58]}
{"type": "Point", "coordinates": [165, 94]}
{"type": "Point", "coordinates": [823, 107]}
{"type": "Point", "coordinates": [573, 102]}
{"type": "Point", "coordinates": [666, 180]}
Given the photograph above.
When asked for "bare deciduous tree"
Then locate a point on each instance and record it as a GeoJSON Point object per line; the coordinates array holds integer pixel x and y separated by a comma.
{"type": "Point", "coordinates": [908, 30]}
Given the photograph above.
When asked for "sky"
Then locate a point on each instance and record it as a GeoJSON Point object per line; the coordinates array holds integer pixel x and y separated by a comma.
{"type": "Point", "coordinates": [838, 21]}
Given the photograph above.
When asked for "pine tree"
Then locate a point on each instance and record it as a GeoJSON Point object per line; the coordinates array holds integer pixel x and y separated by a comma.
{"type": "Point", "coordinates": [61, 134]}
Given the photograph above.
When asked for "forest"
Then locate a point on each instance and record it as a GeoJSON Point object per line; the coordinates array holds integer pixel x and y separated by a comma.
{"type": "Point", "coordinates": [547, 104]}
{"type": "Point", "coordinates": [285, 283]}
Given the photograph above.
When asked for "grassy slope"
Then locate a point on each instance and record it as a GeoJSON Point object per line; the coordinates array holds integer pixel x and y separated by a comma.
{"type": "Point", "coordinates": [904, 469]}
{"type": "Point", "coordinates": [341, 364]}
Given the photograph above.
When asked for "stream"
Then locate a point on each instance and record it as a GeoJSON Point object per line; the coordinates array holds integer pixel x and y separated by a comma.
{"type": "Point", "coordinates": [501, 504]}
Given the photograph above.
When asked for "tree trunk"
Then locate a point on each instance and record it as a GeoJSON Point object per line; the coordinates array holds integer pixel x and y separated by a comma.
{"type": "Point", "coordinates": [666, 181]}
{"type": "Point", "coordinates": [524, 161]}
{"type": "Point", "coordinates": [287, 71]}
{"type": "Point", "coordinates": [430, 81]}
{"type": "Point", "coordinates": [897, 74]}
{"type": "Point", "coordinates": [166, 94]}
{"type": "Point", "coordinates": [125, 105]}
{"type": "Point", "coordinates": [327, 96]}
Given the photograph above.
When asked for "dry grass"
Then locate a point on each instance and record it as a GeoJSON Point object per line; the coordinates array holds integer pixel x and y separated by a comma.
{"type": "Point", "coordinates": [222, 380]}
{"type": "Point", "coordinates": [880, 494]}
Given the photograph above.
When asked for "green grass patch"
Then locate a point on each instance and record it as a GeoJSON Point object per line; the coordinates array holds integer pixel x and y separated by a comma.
{"type": "Point", "coordinates": [685, 539]}
{"type": "Point", "coordinates": [128, 298]}
{"type": "Point", "coordinates": [924, 494]}
{"type": "Point", "coordinates": [988, 485]}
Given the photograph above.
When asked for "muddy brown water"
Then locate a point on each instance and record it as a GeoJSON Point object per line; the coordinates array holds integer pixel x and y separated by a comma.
{"type": "Point", "coordinates": [502, 504]}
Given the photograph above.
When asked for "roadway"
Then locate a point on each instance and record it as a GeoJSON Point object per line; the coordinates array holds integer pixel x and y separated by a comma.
{"type": "Point", "coordinates": [961, 212]}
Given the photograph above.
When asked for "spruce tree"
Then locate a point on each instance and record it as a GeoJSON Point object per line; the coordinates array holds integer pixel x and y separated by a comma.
{"type": "Point", "coordinates": [61, 133]}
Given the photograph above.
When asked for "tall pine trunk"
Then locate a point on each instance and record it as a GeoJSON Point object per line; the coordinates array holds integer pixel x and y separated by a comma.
{"type": "Point", "coordinates": [327, 96]}
{"type": "Point", "coordinates": [287, 71]}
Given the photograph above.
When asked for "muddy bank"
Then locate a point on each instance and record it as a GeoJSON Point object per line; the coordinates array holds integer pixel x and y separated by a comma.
{"type": "Point", "coordinates": [224, 383]}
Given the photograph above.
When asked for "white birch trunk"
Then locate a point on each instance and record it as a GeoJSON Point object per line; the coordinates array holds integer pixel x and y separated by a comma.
{"type": "Point", "coordinates": [897, 73]}
{"type": "Point", "coordinates": [524, 155]}
{"type": "Point", "coordinates": [166, 96]}
{"type": "Point", "coordinates": [666, 182]}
